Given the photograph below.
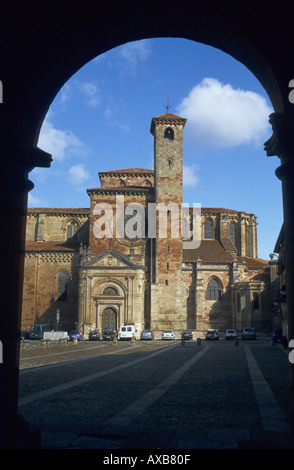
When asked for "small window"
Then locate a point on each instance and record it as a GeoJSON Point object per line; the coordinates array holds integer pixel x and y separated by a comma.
{"type": "Point", "coordinates": [208, 231]}
{"type": "Point", "coordinates": [214, 290]}
{"type": "Point", "coordinates": [72, 230]}
{"type": "Point", "coordinates": [233, 233]}
{"type": "Point", "coordinates": [110, 291]}
{"type": "Point", "coordinates": [169, 134]}
{"type": "Point", "coordinates": [147, 183]}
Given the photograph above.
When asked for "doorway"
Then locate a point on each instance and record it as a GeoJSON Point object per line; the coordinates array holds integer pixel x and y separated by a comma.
{"type": "Point", "coordinates": [109, 318]}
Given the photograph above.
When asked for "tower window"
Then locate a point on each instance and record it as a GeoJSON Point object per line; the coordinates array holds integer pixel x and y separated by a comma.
{"type": "Point", "coordinates": [169, 134]}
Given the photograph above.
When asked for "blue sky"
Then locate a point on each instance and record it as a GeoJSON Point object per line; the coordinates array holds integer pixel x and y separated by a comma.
{"type": "Point", "coordinates": [100, 120]}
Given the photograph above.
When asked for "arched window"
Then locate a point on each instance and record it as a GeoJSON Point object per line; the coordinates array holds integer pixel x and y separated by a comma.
{"type": "Point", "coordinates": [146, 183]}
{"type": "Point", "coordinates": [120, 183]}
{"type": "Point", "coordinates": [110, 291]}
{"type": "Point", "coordinates": [233, 233]}
{"type": "Point", "coordinates": [71, 231]}
{"type": "Point", "coordinates": [208, 231]}
{"type": "Point", "coordinates": [214, 290]}
{"type": "Point", "coordinates": [63, 278]}
{"type": "Point", "coordinates": [169, 134]}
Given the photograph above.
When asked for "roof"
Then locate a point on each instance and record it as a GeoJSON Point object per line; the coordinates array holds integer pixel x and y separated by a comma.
{"type": "Point", "coordinates": [43, 246]}
{"type": "Point", "coordinates": [253, 263]}
{"type": "Point", "coordinates": [127, 170]}
{"type": "Point", "coordinates": [166, 118]}
{"type": "Point", "coordinates": [58, 210]}
{"type": "Point", "coordinates": [209, 251]}
{"type": "Point", "coordinates": [212, 251]}
{"type": "Point", "coordinates": [222, 210]}
{"type": "Point", "coordinates": [228, 245]}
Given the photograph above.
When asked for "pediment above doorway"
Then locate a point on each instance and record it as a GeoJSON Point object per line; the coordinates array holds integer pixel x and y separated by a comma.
{"type": "Point", "coordinates": [109, 259]}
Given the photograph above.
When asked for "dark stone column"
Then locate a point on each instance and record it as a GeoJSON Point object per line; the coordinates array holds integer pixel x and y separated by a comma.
{"type": "Point", "coordinates": [15, 166]}
{"type": "Point", "coordinates": [282, 144]}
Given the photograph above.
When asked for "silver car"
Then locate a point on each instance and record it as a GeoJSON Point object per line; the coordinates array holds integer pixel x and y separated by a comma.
{"type": "Point", "coordinates": [147, 334]}
{"type": "Point", "coordinates": [249, 333]}
{"type": "Point", "coordinates": [168, 334]}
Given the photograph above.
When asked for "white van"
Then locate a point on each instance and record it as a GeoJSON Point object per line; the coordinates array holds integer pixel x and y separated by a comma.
{"type": "Point", "coordinates": [127, 332]}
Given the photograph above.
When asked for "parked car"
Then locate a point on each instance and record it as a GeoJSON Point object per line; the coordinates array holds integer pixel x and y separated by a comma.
{"type": "Point", "coordinates": [75, 334]}
{"type": "Point", "coordinates": [277, 335]}
{"type": "Point", "coordinates": [168, 334]}
{"type": "Point", "coordinates": [127, 332]}
{"type": "Point", "coordinates": [24, 334]}
{"type": "Point", "coordinates": [212, 335]}
{"type": "Point", "coordinates": [249, 333]}
{"type": "Point", "coordinates": [231, 334]}
{"type": "Point", "coordinates": [37, 331]}
{"type": "Point", "coordinates": [108, 334]}
{"type": "Point", "coordinates": [94, 336]}
{"type": "Point", "coordinates": [147, 335]}
{"type": "Point", "coordinates": [187, 334]}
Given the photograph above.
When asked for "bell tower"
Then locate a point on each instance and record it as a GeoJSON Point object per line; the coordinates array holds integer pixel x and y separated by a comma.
{"type": "Point", "coordinates": [167, 308]}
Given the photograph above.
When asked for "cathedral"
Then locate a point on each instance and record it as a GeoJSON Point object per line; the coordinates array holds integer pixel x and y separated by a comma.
{"type": "Point", "coordinates": [128, 260]}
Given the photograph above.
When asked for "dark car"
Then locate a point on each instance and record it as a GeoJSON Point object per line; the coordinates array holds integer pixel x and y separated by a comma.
{"type": "Point", "coordinates": [249, 333]}
{"type": "Point", "coordinates": [187, 334]}
{"type": "Point", "coordinates": [277, 335]}
{"type": "Point", "coordinates": [212, 335]}
{"type": "Point", "coordinates": [24, 334]}
{"type": "Point", "coordinates": [108, 334]}
{"type": "Point", "coordinates": [75, 334]}
{"type": "Point", "coordinates": [147, 335]}
{"type": "Point", "coordinates": [94, 336]}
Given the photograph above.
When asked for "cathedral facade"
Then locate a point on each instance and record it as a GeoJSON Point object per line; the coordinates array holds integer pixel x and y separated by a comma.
{"type": "Point", "coordinates": [127, 259]}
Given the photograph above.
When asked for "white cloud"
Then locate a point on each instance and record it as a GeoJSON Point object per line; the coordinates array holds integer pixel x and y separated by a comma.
{"type": "Point", "coordinates": [134, 53]}
{"type": "Point", "coordinates": [90, 91]}
{"type": "Point", "coordinates": [59, 143]}
{"type": "Point", "coordinates": [34, 201]}
{"type": "Point", "coordinates": [189, 177]}
{"type": "Point", "coordinates": [219, 116]}
{"type": "Point", "coordinates": [77, 176]}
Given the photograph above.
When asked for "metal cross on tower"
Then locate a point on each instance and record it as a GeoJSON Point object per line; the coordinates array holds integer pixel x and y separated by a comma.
{"type": "Point", "coordinates": [167, 105]}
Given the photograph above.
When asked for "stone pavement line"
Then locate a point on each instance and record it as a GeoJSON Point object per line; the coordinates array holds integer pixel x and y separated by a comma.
{"type": "Point", "coordinates": [61, 388]}
{"type": "Point", "coordinates": [271, 415]}
{"type": "Point", "coordinates": [72, 351]}
{"type": "Point", "coordinates": [126, 416]}
{"type": "Point", "coordinates": [79, 359]}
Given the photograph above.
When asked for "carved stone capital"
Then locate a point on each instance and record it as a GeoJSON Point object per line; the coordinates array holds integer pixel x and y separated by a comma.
{"type": "Point", "coordinates": [281, 143]}
{"type": "Point", "coordinates": [19, 160]}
